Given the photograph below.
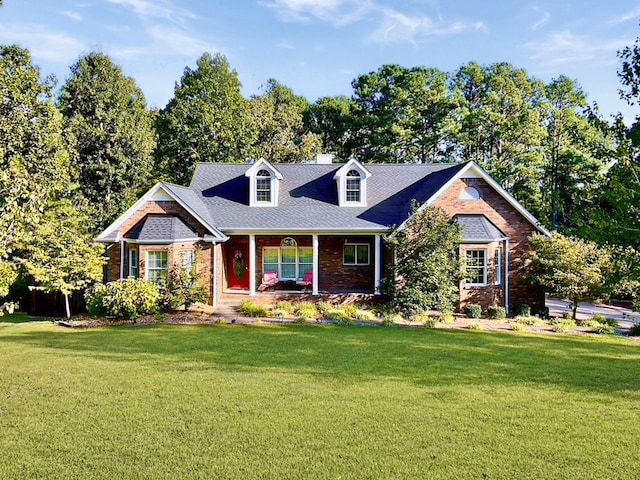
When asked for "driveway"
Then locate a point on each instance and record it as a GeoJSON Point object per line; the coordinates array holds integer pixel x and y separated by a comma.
{"type": "Point", "coordinates": [624, 316]}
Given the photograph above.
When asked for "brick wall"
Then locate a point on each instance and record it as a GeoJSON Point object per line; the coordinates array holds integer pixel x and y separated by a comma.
{"type": "Point", "coordinates": [337, 277]}
{"type": "Point", "coordinates": [518, 229]}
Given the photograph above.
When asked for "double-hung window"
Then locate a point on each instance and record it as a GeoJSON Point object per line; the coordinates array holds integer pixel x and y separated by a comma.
{"type": "Point", "coordinates": [263, 186]}
{"type": "Point", "coordinates": [157, 265]}
{"type": "Point", "coordinates": [497, 259]}
{"type": "Point", "coordinates": [133, 262]}
{"type": "Point", "coordinates": [288, 260]}
{"type": "Point", "coordinates": [356, 254]}
{"type": "Point", "coordinates": [477, 267]}
{"type": "Point", "coordinates": [352, 190]}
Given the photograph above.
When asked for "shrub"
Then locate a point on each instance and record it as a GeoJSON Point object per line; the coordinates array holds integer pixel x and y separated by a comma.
{"type": "Point", "coordinates": [286, 307]}
{"type": "Point", "coordinates": [306, 310]}
{"type": "Point", "coordinates": [529, 320]}
{"type": "Point", "coordinates": [604, 329]}
{"type": "Point", "coordinates": [390, 319]}
{"type": "Point", "coordinates": [338, 316]}
{"type": "Point", "coordinates": [606, 321]}
{"type": "Point", "coordinates": [591, 323]}
{"type": "Point", "coordinates": [475, 326]}
{"type": "Point", "coordinates": [280, 313]}
{"type": "Point", "coordinates": [447, 317]}
{"type": "Point", "coordinates": [517, 327]}
{"type": "Point", "coordinates": [543, 312]}
{"type": "Point", "coordinates": [366, 315]}
{"type": "Point", "coordinates": [563, 326]}
{"type": "Point", "coordinates": [497, 313]}
{"type": "Point", "coordinates": [634, 330]}
{"type": "Point", "coordinates": [421, 318]}
{"type": "Point", "coordinates": [473, 311]}
{"type": "Point", "coordinates": [324, 307]}
{"type": "Point", "coordinates": [350, 311]}
{"type": "Point", "coordinates": [250, 309]}
{"type": "Point", "coordinates": [123, 299]}
{"type": "Point", "coordinates": [182, 288]}
{"type": "Point", "coordinates": [523, 310]}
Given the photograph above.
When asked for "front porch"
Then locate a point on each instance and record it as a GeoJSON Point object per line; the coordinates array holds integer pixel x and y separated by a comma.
{"type": "Point", "coordinates": [302, 264]}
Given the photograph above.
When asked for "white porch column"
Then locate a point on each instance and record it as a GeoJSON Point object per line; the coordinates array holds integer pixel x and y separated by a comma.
{"type": "Point", "coordinates": [506, 276]}
{"type": "Point", "coordinates": [214, 274]}
{"type": "Point", "coordinates": [316, 270]}
{"type": "Point", "coordinates": [252, 265]}
{"type": "Point", "coordinates": [377, 249]}
{"type": "Point", "coordinates": [122, 252]}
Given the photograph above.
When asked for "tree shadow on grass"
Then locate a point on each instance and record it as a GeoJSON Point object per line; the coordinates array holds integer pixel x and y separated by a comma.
{"type": "Point", "coordinates": [435, 358]}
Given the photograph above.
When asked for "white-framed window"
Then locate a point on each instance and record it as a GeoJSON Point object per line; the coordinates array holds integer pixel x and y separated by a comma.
{"type": "Point", "coordinates": [470, 193]}
{"type": "Point", "coordinates": [134, 263]}
{"type": "Point", "coordinates": [157, 265]}
{"type": "Point", "coordinates": [288, 260]}
{"type": "Point", "coordinates": [355, 254]}
{"type": "Point", "coordinates": [476, 267]}
{"type": "Point", "coordinates": [352, 190]}
{"type": "Point", "coordinates": [263, 186]}
{"type": "Point", "coordinates": [497, 259]}
{"type": "Point", "coordinates": [187, 260]}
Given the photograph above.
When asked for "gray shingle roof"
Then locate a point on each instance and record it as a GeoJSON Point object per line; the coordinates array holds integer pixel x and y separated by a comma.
{"type": "Point", "coordinates": [161, 228]}
{"type": "Point", "coordinates": [477, 228]}
{"type": "Point", "coordinates": [308, 198]}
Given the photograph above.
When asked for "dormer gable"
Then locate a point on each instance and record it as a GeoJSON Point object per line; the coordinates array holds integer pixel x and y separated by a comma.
{"type": "Point", "coordinates": [264, 184]}
{"type": "Point", "coordinates": [351, 180]}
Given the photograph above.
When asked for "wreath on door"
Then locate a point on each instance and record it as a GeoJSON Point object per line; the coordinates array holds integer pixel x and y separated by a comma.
{"type": "Point", "coordinates": [238, 265]}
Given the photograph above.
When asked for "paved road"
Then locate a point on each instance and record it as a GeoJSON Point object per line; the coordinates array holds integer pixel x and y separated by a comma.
{"type": "Point", "coordinates": [624, 316]}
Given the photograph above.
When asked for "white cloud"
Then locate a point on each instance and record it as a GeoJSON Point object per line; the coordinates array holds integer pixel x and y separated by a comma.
{"type": "Point", "coordinates": [164, 9]}
{"type": "Point", "coordinates": [397, 27]}
{"type": "Point", "coordinates": [565, 47]}
{"type": "Point", "coordinates": [336, 12]}
{"type": "Point", "coordinates": [72, 15]}
{"type": "Point", "coordinates": [43, 44]}
{"type": "Point", "coordinates": [631, 15]}
{"type": "Point", "coordinates": [541, 22]}
{"type": "Point", "coordinates": [178, 41]}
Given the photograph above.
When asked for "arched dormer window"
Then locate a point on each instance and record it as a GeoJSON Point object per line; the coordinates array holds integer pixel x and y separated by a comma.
{"type": "Point", "coordinates": [351, 182]}
{"type": "Point", "coordinates": [353, 186]}
{"type": "Point", "coordinates": [263, 186]}
{"type": "Point", "coordinates": [264, 181]}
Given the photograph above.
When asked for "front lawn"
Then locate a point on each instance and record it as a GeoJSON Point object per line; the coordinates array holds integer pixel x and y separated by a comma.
{"type": "Point", "coordinates": [326, 402]}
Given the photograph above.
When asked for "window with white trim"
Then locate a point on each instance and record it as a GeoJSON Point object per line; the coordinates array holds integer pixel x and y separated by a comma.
{"type": "Point", "coordinates": [187, 260]}
{"type": "Point", "coordinates": [476, 267]}
{"type": "Point", "coordinates": [134, 262]}
{"type": "Point", "coordinates": [263, 186]}
{"type": "Point", "coordinates": [157, 265]}
{"type": "Point", "coordinates": [288, 260]}
{"type": "Point", "coordinates": [355, 254]}
{"type": "Point", "coordinates": [497, 258]}
{"type": "Point", "coordinates": [352, 189]}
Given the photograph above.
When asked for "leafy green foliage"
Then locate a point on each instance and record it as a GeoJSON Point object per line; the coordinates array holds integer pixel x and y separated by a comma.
{"type": "Point", "coordinates": [106, 114]}
{"type": "Point", "coordinates": [207, 120]}
{"type": "Point", "coordinates": [472, 310]}
{"type": "Point", "coordinates": [497, 313]}
{"type": "Point", "coordinates": [563, 325]}
{"type": "Point", "coordinates": [427, 270]}
{"type": "Point", "coordinates": [182, 287]}
{"type": "Point", "coordinates": [569, 268]}
{"type": "Point", "coordinates": [125, 299]}
{"type": "Point", "coordinates": [251, 309]}
{"type": "Point", "coordinates": [634, 330]}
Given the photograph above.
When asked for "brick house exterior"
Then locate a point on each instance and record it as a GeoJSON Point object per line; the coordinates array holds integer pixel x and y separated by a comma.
{"type": "Point", "coordinates": [319, 228]}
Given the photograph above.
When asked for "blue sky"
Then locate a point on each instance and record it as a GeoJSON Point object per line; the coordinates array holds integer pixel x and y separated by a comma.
{"type": "Point", "coordinates": [317, 47]}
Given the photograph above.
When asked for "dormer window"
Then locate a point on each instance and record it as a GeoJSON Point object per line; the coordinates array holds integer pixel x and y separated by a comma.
{"type": "Point", "coordinates": [263, 186]}
{"type": "Point", "coordinates": [351, 180]}
{"type": "Point", "coordinates": [264, 181]}
{"type": "Point", "coordinates": [353, 186]}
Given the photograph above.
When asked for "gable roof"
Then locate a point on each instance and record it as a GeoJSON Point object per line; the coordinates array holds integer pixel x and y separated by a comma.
{"type": "Point", "coordinates": [309, 200]}
{"type": "Point", "coordinates": [478, 228]}
{"type": "Point", "coordinates": [161, 229]}
{"type": "Point", "coordinates": [184, 196]}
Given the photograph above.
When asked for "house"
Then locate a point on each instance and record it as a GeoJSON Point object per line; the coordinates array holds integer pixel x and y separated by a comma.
{"type": "Point", "coordinates": [319, 228]}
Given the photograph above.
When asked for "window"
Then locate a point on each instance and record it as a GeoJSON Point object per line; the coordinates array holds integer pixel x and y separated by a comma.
{"type": "Point", "coordinates": [469, 193]}
{"type": "Point", "coordinates": [477, 267]}
{"type": "Point", "coordinates": [497, 258]}
{"type": "Point", "coordinates": [288, 260]}
{"type": "Point", "coordinates": [356, 254]}
{"type": "Point", "coordinates": [263, 186]}
{"type": "Point", "coordinates": [157, 265]}
{"type": "Point", "coordinates": [353, 186]}
{"type": "Point", "coordinates": [133, 262]}
{"type": "Point", "coordinates": [187, 260]}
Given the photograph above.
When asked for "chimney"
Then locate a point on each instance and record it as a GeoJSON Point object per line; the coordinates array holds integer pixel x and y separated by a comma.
{"type": "Point", "coordinates": [324, 159]}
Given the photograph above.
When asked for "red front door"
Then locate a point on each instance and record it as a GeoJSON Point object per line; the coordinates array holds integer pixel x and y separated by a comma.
{"type": "Point", "coordinates": [238, 265]}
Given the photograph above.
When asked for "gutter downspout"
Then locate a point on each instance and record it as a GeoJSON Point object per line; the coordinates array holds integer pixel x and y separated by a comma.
{"type": "Point", "coordinates": [122, 259]}
{"type": "Point", "coordinates": [214, 276]}
{"type": "Point", "coordinates": [506, 276]}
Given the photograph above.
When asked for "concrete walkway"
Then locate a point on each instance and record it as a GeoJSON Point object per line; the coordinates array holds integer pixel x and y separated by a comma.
{"type": "Point", "coordinates": [624, 316]}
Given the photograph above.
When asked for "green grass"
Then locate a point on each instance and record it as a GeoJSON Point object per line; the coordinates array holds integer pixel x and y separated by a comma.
{"type": "Point", "coordinates": [314, 402]}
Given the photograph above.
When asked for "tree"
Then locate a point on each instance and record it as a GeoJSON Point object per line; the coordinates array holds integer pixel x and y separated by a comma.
{"type": "Point", "coordinates": [107, 115]}
{"type": "Point", "coordinates": [34, 158]}
{"type": "Point", "coordinates": [427, 269]}
{"type": "Point", "coordinates": [403, 115]}
{"type": "Point", "coordinates": [569, 268]}
{"type": "Point", "coordinates": [278, 116]}
{"type": "Point", "coordinates": [501, 126]}
{"type": "Point", "coordinates": [207, 120]}
{"type": "Point", "coordinates": [331, 118]}
{"type": "Point", "coordinates": [62, 257]}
